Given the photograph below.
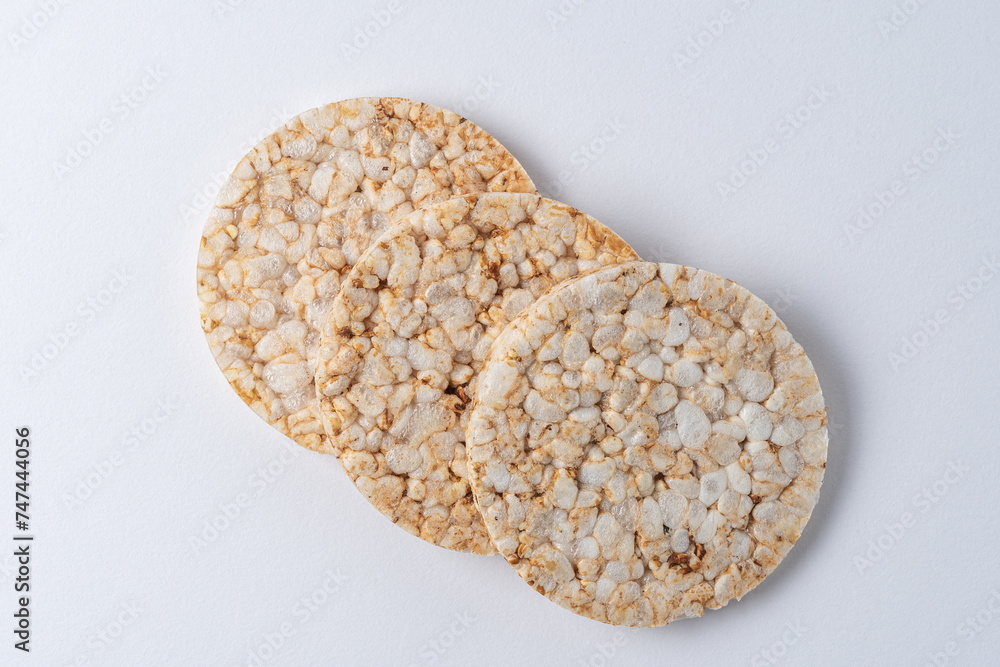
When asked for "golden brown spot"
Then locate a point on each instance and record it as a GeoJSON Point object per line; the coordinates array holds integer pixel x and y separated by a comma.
{"type": "Point", "coordinates": [493, 270]}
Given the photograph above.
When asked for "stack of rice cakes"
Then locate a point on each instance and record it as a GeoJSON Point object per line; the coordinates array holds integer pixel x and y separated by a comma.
{"type": "Point", "coordinates": [498, 371]}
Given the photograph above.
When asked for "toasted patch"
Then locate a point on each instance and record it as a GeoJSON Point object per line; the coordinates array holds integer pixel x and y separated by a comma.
{"type": "Point", "coordinates": [646, 442]}
{"type": "Point", "coordinates": [295, 215]}
{"type": "Point", "coordinates": [413, 325]}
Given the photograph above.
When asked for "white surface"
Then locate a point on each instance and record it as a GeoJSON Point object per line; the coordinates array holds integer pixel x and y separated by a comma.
{"type": "Point", "coordinates": [137, 203]}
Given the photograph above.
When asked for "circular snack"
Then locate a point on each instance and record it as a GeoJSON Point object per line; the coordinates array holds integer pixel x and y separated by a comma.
{"type": "Point", "coordinates": [298, 211]}
{"type": "Point", "coordinates": [411, 327]}
{"type": "Point", "coordinates": [646, 442]}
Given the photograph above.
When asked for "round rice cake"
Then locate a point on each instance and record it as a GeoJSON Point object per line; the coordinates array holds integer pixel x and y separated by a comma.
{"type": "Point", "coordinates": [412, 325]}
{"type": "Point", "coordinates": [295, 215]}
{"type": "Point", "coordinates": [646, 442]}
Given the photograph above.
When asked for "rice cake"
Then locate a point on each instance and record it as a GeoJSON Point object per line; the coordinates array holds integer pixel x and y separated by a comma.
{"type": "Point", "coordinates": [295, 215]}
{"type": "Point", "coordinates": [411, 327]}
{"type": "Point", "coordinates": [647, 442]}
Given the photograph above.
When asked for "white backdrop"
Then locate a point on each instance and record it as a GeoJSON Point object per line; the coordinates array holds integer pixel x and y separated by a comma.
{"type": "Point", "coordinates": [838, 159]}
